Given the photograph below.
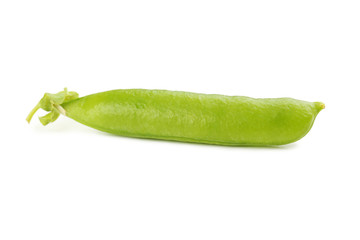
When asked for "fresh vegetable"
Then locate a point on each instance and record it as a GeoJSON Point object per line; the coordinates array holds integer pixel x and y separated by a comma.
{"type": "Point", "coordinates": [186, 116]}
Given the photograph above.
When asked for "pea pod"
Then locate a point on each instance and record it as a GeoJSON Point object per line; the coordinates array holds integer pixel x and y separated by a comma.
{"type": "Point", "coordinates": [186, 116]}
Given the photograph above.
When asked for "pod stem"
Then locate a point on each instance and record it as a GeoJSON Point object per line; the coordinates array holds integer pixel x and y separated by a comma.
{"type": "Point", "coordinates": [32, 112]}
{"type": "Point", "coordinates": [52, 104]}
{"type": "Point", "coordinates": [60, 109]}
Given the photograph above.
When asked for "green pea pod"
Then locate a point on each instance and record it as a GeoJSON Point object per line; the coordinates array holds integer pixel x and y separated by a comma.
{"type": "Point", "coordinates": [186, 116]}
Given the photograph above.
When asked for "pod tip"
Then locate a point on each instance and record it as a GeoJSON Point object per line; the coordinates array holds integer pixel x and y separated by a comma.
{"type": "Point", "coordinates": [319, 106]}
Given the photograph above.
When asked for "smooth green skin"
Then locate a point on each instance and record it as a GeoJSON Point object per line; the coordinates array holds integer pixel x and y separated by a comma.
{"type": "Point", "coordinates": [193, 117]}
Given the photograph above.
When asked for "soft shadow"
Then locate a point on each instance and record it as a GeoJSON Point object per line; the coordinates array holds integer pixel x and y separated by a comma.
{"type": "Point", "coordinates": [279, 147]}
{"type": "Point", "coordinates": [62, 125]}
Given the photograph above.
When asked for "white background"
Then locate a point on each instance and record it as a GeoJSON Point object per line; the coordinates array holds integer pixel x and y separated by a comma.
{"type": "Point", "coordinates": [67, 181]}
